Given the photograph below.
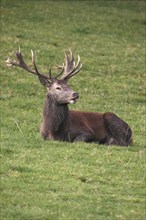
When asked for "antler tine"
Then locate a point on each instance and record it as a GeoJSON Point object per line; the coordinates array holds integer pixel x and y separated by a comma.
{"type": "Point", "coordinates": [10, 62]}
{"type": "Point", "coordinates": [72, 56]}
{"type": "Point", "coordinates": [71, 68]}
{"type": "Point", "coordinates": [50, 75]}
{"type": "Point", "coordinates": [78, 63]}
{"type": "Point", "coordinates": [69, 62]}
{"type": "Point", "coordinates": [36, 69]}
{"type": "Point", "coordinates": [33, 62]}
{"type": "Point", "coordinates": [62, 69]}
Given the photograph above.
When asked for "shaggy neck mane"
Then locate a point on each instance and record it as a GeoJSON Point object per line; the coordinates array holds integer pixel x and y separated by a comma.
{"type": "Point", "coordinates": [55, 115]}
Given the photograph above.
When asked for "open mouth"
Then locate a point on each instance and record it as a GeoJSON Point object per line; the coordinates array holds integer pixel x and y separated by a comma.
{"type": "Point", "coordinates": [72, 101]}
{"type": "Point", "coordinates": [74, 98]}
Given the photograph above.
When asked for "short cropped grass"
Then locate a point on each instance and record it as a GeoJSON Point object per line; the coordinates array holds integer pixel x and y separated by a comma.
{"type": "Point", "coordinates": [63, 181]}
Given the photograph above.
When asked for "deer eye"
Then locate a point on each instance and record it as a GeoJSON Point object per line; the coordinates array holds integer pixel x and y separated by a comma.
{"type": "Point", "coordinates": [58, 88]}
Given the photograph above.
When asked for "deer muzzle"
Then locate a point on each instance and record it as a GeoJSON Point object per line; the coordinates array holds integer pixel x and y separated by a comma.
{"type": "Point", "coordinates": [74, 97]}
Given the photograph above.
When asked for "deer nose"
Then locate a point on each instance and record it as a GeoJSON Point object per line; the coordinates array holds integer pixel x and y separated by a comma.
{"type": "Point", "coordinates": [75, 95]}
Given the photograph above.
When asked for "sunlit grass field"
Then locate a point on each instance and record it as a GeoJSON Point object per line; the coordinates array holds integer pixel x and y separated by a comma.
{"type": "Point", "coordinates": [42, 180]}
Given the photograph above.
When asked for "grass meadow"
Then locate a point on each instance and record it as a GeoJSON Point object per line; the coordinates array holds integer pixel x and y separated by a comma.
{"type": "Point", "coordinates": [42, 180]}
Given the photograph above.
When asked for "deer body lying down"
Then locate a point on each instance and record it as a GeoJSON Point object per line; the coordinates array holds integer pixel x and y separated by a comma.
{"type": "Point", "coordinates": [60, 123]}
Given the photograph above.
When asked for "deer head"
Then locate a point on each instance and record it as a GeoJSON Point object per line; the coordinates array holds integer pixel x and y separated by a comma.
{"type": "Point", "coordinates": [57, 88]}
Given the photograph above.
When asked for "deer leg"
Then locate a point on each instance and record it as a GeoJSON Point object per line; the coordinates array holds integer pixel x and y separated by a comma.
{"type": "Point", "coordinates": [45, 133]}
{"type": "Point", "coordinates": [118, 131]}
{"type": "Point", "coordinates": [84, 137]}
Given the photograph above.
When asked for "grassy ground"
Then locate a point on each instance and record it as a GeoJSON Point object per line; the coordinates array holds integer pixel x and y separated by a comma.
{"type": "Point", "coordinates": [60, 181]}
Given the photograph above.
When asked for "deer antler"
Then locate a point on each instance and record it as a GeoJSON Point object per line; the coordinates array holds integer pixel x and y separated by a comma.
{"type": "Point", "coordinates": [44, 79]}
{"type": "Point", "coordinates": [70, 67]}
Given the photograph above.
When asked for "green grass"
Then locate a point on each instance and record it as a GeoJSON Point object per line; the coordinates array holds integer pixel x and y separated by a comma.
{"type": "Point", "coordinates": [79, 181]}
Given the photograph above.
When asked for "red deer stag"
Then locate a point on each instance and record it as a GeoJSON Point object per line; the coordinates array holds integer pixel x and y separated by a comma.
{"type": "Point", "coordinates": [60, 123]}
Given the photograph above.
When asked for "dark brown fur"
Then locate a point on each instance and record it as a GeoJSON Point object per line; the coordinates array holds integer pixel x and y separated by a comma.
{"type": "Point", "coordinates": [60, 123]}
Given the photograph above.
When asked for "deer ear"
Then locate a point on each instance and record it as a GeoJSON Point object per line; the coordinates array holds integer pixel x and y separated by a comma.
{"type": "Point", "coordinates": [45, 82]}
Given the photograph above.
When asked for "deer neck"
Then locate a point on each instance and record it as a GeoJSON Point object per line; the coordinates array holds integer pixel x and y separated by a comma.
{"type": "Point", "coordinates": [55, 116]}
